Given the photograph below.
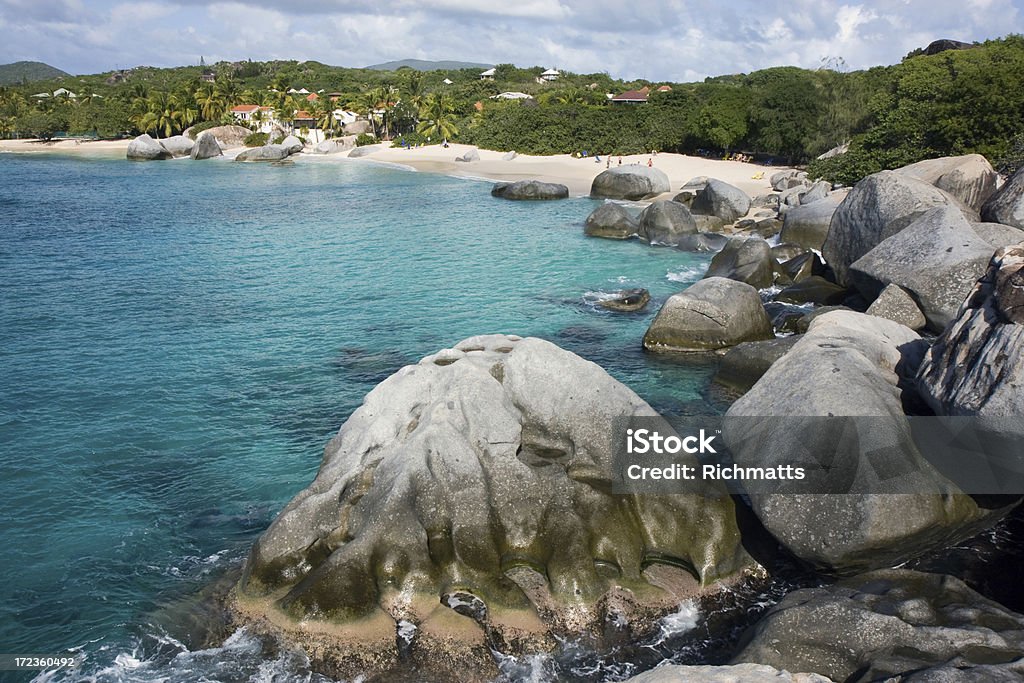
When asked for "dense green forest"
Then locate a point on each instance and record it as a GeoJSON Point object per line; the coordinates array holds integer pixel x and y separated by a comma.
{"type": "Point", "coordinates": [954, 102]}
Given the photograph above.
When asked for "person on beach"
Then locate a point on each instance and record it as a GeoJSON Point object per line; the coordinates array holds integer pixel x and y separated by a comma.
{"type": "Point", "coordinates": [620, 161]}
{"type": "Point", "coordinates": [650, 162]}
{"type": "Point", "coordinates": [608, 162]}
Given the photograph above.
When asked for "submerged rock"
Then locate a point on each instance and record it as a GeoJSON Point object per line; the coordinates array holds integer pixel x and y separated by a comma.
{"type": "Point", "coordinates": [666, 222]}
{"type": "Point", "coordinates": [611, 221]}
{"type": "Point", "coordinates": [145, 148]}
{"type": "Point", "coordinates": [471, 497]}
{"type": "Point", "coordinates": [714, 313]}
{"type": "Point", "coordinates": [530, 189]}
{"type": "Point", "coordinates": [891, 625]}
{"type": "Point", "coordinates": [627, 300]}
{"type": "Point", "coordinates": [629, 182]}
{"type": "Point", "coordinates": [833, 404]}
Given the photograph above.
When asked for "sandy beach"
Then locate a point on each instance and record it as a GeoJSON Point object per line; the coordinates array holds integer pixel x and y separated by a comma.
{"type": "Point", "coordinates": [104, 148]}
{"type": "Point", "coordinates": [576, 174]}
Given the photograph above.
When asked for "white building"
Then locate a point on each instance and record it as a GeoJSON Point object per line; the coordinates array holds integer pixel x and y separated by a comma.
{"type": "Point", "coordinates": [511, 96]}
{"type": "Point", "coordinates": [487, 75]}
{"type": "Point", "coordinates": [551, 75]}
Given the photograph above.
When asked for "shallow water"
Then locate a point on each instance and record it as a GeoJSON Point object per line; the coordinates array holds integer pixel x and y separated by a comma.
{"type": "Point", "coordinates": [178, 341]}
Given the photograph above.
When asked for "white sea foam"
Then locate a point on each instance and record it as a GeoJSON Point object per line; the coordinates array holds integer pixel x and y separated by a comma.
{"type": "Point", "coordinates": [687, 274]}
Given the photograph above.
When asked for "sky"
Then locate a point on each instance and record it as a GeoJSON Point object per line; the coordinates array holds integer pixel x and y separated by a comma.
{"type": "Point", "coordinates": [667, 40]}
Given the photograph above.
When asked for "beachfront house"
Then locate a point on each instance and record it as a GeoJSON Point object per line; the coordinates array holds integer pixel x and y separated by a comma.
{"type": "Point", "coordinates": [487, 75]}
{"type": "Point", "coordinates": [345, 117]}
{"type": "Point", "coordinates": [632, 96]}
{"type": "Point", "coordinates": [550, 75]}
{"type": "Point", "coordinates": [260, 119]}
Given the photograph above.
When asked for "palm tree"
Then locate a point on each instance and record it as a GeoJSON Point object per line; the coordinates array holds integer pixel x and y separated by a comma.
{"type": "Point", "coordinates": [211, 105]}
{"type": "Point", "coordinates": [572, 96]}
{"type": "Point", "coordinates": [228, 91]}
{"type": "Point", "coordinates": [437, 117]}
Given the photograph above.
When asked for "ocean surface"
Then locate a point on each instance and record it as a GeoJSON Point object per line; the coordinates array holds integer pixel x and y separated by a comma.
{"type": "Point", "coordinates": [179, 340]}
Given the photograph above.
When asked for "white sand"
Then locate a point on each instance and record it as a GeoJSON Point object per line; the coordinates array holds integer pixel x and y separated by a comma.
{"type": "Point", "coordinates": [576, 174]}
{"type": "Point", "coordinates": [69, 146]}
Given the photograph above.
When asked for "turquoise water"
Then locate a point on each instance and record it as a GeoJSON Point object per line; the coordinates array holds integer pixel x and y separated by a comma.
{"type": "Point", "coordinates": [179, 340]}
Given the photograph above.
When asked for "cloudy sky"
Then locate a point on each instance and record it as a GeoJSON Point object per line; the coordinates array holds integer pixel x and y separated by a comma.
{"type": "Point", "coordinates": [678, 40]}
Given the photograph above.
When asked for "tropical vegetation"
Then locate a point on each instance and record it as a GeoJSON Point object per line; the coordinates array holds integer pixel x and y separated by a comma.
{"type": "Point", "coordinates": [954, 102]}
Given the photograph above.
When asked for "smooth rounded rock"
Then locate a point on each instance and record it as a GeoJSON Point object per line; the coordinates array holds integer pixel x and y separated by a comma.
{"type": "Point", "coordinates": [630, 182]}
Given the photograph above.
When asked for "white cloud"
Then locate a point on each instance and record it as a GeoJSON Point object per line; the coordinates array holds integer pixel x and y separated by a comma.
{"type": "Point", "coordinates": [663, 40]}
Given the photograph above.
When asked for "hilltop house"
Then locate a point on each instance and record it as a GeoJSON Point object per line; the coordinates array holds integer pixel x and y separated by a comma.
{"type": "Point", "coordinates": [487, 75]}
{"type": "Point", "coordinates": [550, 75]}
{"type": "Point", "coordinates": [511, 96]}
{"type": "Point", "coordinates": [632, 96]}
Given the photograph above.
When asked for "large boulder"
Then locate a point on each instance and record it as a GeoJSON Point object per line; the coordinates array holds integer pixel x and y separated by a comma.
{"type": "Point", "coordinates": [530, 190]}
{"type": "Point", "coordinates": [896, 304]}
{"type": "Point", "coordinates": [630, 182]}
{"type": "Point", "coordinates": [808, 225]}
{"type": "Point", "coordinates": [722, 200]}
{"type": "Point", "coordinates": [937, 258]}
{"type": "Point", "coordinates": [178, 145]}
{"type": "Point", "coordinates": [737, 673]}
{"type": "Point", "coordinates": [365, 150]}
{"type": "Point", "coordinates": [264, 153]}
{"type": "Point", "coordinates": [877, 208]}
{"type": "Point", "coordinates": [976, 367]}
{"type": "Point", "coordinates": [145, 148]}
{"type": "Point", "coordinates": [714, 313]}
{"type": "Point", "coordinates": [292, 144]}
{"type": "Point", "coordinates": [746, 260]}
{"type": "Point", "coordinates": [702, 241]}
{"type": "Point", "coordinates": [816, 192]}
{"type": "Point", "coordinates": [357, 128]}
{"type": "Point", "coordinates": [891, 625]}
{"type": "Point", "coordinates": [998, 235]}
{"type": "Point", "coordinates": [468, 504]}
{"type": "Point", "coordinates": [206, 147]}
{"type": "Point", "coordinates": [799, 268]}
{"type": "Point", "coordinates": [228, 136]}
{"type": "Point", "coordinates": [611, 221]}
{"type": "Point", "coordinates": [469, 155]}
{"type": "Point", "coordinates": [969, 178]}
{"type": "Point", "coordinates": [1007, 205]}
{"type": "Point", "coordinates": [333, 146]}
{"type": "Point", "coordinates": [833, 405]}
{"type": "Point", "coordinates": [744, 364]}
{"type": "Point", "coordinates": [665, 222]}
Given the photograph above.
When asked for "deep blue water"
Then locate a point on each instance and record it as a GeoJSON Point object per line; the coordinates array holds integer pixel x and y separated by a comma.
{"type": "Point", "coordinates": [179, 340]}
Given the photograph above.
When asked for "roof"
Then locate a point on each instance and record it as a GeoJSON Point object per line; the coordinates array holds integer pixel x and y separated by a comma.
{"type": "Point", "coordinates": [447, 81]}
{"type": "Point", "coordinates": [244, 108]}
{"type": "Point", "coordinates": [511, 96]}
{"type": "Point", "coordinates": [665, 88]}
{"type": "Point", "coordinates": [303, 114]}
{"type": "Point", "coordinates": [312, 97]}
{"type": "Point", "coordinates": [633, 95]}
{"type": "Point", "coordinates": [552, 72]}
{"type": "Point", "coordinates": [489, 72]}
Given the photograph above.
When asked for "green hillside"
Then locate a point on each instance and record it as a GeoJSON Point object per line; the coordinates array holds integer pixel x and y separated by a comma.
{"type": "Point", "coordinates": [28, 72]}
{"type": "Point", "coordinates": [423, 65]}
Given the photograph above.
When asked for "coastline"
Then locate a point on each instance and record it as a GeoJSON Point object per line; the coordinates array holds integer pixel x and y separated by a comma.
{"type": "Point", "coordinates": [576, 174]}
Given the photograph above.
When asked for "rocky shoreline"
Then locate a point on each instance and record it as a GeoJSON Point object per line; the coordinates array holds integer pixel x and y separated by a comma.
{"type": "Point", "coordinates": [467, 507]}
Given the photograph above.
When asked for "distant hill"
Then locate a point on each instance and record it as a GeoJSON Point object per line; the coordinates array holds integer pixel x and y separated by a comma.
{"type": "Point", "coordinates": [18, 72]}
{"type": "Point", "coordinates": [424, 65]}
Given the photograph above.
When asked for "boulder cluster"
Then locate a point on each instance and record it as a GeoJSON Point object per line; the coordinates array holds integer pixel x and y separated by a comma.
{"type": "Point", "coordinates": [468, 506]}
